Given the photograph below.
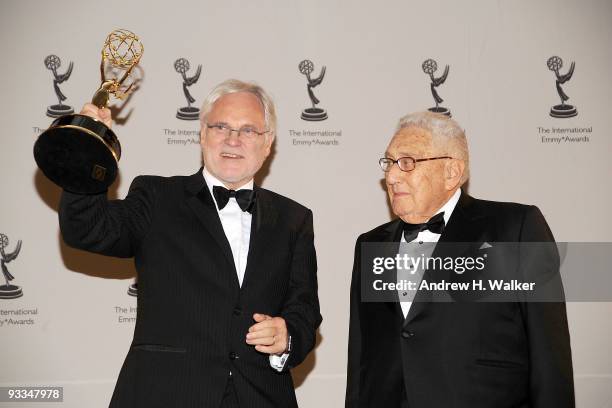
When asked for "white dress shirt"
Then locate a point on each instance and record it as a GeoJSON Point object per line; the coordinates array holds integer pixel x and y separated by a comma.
{"type": "Point", "coordinates": [428, 236]}
{"type": "Point", "coordinates": [237, 227]}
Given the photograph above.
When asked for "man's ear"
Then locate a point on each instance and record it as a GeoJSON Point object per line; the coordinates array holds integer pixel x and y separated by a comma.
{"type": "Point", "coordinates": [202, 133]}
{"type": "Point", "coordinates": [453, 171]}
{"type": "Point", "coordinates": [270, 136]}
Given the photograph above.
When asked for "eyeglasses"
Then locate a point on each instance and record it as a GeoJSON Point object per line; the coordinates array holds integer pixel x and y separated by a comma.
{"type": "Point", "coordinates": [246, 132]}
{"type": "Point", "coordinates": [404, 163]}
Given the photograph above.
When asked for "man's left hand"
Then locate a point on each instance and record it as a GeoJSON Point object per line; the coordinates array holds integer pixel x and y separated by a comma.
{"type": "Point", "coordinates": [269, 335]}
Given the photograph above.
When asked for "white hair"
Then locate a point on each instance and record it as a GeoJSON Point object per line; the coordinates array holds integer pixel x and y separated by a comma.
{"type": "Point", "coordinates": [233, 86]}
{"type": "Point", "coordinates": [446, 135]}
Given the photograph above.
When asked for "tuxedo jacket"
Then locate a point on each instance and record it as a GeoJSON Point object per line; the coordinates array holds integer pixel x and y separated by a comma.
{"type": "Point", "coordinates": [193, 315]}
{"type": "Point", "coordinates": [467, 353]}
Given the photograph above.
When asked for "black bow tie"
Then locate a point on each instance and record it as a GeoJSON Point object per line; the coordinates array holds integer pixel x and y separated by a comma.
{"type": "Point", "coordinates": [244, 198]}
{"type": "Point", "coordinates": [435, 225]}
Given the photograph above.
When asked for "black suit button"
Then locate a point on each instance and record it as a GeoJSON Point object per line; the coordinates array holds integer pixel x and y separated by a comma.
{"type": "Point", "coordinates": [237, 311]}
{"type": "Point", "coordinates": [407, 334]}
{"type": "Point", "coordinates": [232, 355]}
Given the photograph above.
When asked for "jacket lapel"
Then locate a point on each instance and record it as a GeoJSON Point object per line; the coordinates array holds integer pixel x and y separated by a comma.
{"type": "Point", "coordinates": [393, 234]}
{"type": "Point", "coordinates": [463, 225]}
{"type": "Point", "coordinates": [264, 219]}
{"type": "Point", "coordinates": [462, 230]}
{"type": "Point", "coordinates": [203, 205]}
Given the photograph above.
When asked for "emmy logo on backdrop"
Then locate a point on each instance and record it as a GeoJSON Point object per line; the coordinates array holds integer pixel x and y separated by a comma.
{"type": "Point", "coordinates": [563, 110]}
{"type": "Point", "coordinates": [188, 112]}
{"type": "Point", "coordinates": [53, 62]}
{"type": "Point", "coordinates": [8, 291]}
{"type": "Point", "coordinates": [429, 67]}
{"type": "Point", "coordinates": [312, 114]}
{"type": "Point", "coordinates": [78, 152]}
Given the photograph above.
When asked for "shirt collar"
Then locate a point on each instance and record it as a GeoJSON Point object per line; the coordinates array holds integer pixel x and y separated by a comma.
{"type": "Point", "coordinates": [449, 206]}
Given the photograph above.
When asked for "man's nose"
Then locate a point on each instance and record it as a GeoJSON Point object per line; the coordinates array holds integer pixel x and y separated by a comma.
{"type": "Point", "coordinates": [393, 176]}
{"type": "Point", "coordinates": [233, 139]}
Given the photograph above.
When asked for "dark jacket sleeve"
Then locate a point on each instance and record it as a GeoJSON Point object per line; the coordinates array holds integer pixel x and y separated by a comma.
{"type": "Point", "coordinates": [301, 308]}
{"type": "Point", "coordinates": [115, 227]}
{"type": "Point", "coordinates": [353, 372]}
{"type": "Point", "coordinates": [550, 366]}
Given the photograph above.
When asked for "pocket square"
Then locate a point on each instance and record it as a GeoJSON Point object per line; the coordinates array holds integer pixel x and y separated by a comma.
{"type": "Point", "coordinates": [485, 245]}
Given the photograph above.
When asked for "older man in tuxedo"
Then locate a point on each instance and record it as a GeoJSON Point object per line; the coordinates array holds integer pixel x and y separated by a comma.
{"type": "Point", "coordinates": [428, 351]}
{"type": "Point", "coordinates": [227, 287]}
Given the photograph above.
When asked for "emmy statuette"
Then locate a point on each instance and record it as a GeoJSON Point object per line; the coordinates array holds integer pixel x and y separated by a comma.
{"type": "Point", "coordinates": [78, 152]}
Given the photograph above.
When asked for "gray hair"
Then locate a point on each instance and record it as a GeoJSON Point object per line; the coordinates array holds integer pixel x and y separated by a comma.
{"type": "Point", "coordinates": [233, 86]}
{"type": "Point", "coordinates": [446, 135]}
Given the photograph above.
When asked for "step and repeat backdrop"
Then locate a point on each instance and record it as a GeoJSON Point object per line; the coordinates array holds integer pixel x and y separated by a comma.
{"type": "Point", "coordinates": [529, 81]}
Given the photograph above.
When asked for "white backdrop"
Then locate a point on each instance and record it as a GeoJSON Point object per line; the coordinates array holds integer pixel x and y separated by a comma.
{"type": "Point", "coordinates": [499, 88]}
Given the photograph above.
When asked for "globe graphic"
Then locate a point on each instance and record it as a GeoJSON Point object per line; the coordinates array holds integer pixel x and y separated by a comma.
{"type": "Point", "coordinates": [52, 62]}
{"type": "Point", "coordinates": [430, 66]}
{"type": "Point", "coordinates": [181, 65]}
{"type": "Point", "coordinates": [122, 49]}
{"type": "Point", "coordinates": [554, 63]}
{"type": "Point", "coordinates": [306, 67]}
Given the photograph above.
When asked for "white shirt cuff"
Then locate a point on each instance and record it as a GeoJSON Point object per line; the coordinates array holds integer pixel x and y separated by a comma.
{"type": "Point", "coordinates": [278, 362]}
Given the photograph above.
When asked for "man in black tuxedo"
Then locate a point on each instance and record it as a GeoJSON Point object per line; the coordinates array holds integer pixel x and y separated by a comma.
{"type": "Point", "coordinates": [422, 352]}
{"type": "Point", "coordinates": [227, 286]}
